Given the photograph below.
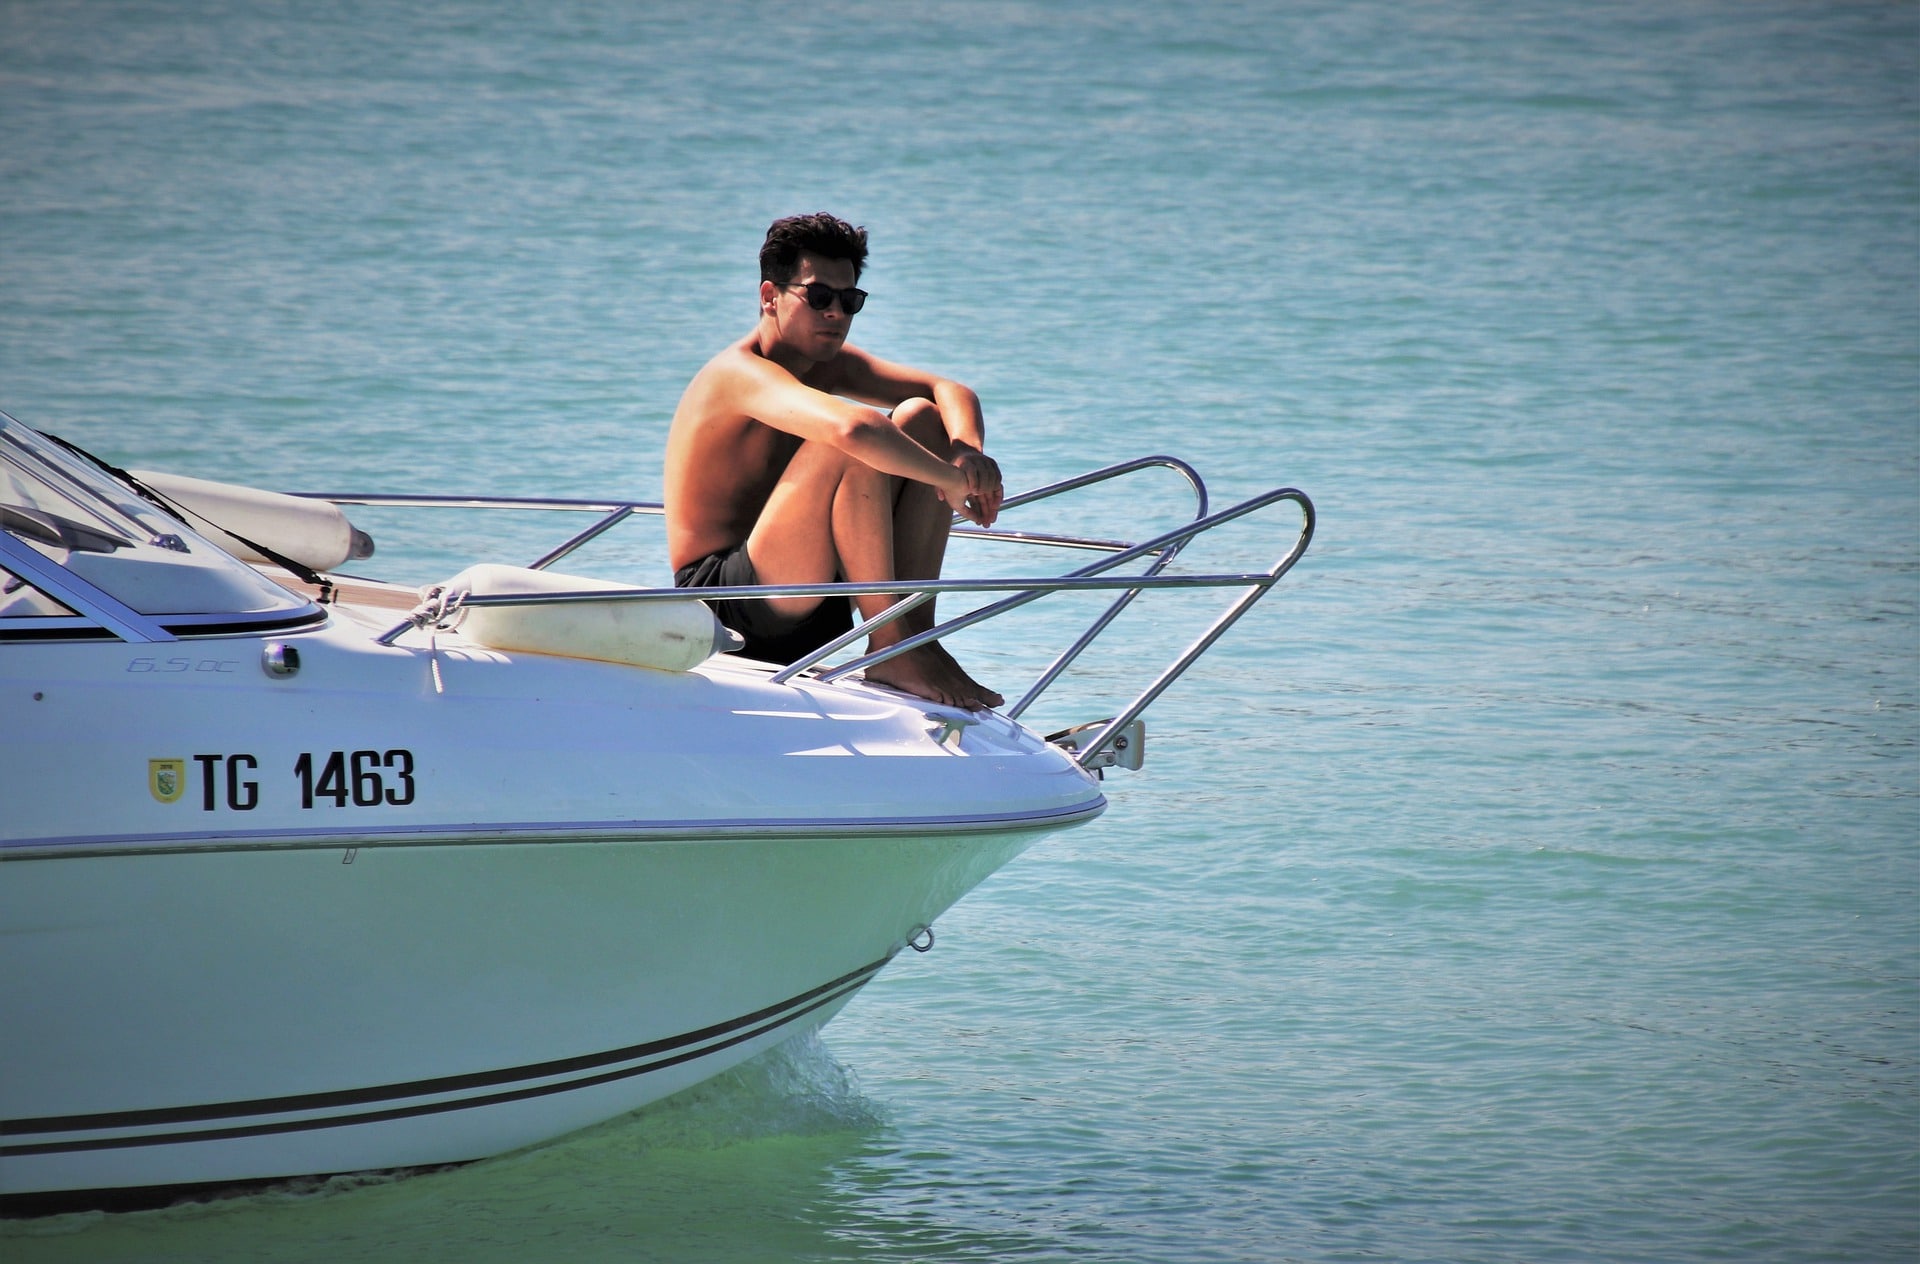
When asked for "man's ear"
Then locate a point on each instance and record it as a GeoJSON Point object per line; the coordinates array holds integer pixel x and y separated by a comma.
{"type": "Point", "coordinates": [769, 292]}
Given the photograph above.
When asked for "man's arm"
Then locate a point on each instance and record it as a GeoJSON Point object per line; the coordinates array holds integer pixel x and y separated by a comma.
{"type": "Point", "coordinates": [869, 378]}
{"type": "Point", "coordinates": [766, 392]}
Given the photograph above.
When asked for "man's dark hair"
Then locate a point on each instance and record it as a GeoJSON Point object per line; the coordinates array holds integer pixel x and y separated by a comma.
{"type": "Point", "coordinates": [823, 234]}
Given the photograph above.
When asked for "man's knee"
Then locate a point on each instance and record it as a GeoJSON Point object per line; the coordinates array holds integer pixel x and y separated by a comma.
{"type": "Point", "coordinates": [823, 477]}
{"type": "Point", "coordinates": [921, 420]}
{"type": "Point", "coordinates": [819, 465]}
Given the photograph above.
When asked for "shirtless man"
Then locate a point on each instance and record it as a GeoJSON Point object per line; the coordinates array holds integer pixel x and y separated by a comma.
{"type": "Point", "coordinates": [775, 475]}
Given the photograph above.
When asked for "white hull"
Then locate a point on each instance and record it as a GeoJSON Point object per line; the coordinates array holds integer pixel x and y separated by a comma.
{"type": "Point", "coordinates": [287, 888]}
{"type": "Point", "coordinates": [424, 1004]}
{"type": "Point", "coordinates": [538, 892]}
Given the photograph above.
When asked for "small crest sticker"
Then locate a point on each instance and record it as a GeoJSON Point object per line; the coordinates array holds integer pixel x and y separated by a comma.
{"type": "Point", "coordinates": [167, 778]}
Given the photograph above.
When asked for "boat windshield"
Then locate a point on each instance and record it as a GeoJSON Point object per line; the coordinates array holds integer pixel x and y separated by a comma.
{"type": "Point", "coordinates": [102, 538]}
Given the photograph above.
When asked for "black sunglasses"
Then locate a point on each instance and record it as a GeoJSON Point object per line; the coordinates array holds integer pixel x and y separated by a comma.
{"type": "Point", "coordinates": [820, 296]}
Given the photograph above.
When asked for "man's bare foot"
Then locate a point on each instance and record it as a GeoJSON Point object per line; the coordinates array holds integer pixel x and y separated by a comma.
{"type": "Point", "coordinates": [930, 672]}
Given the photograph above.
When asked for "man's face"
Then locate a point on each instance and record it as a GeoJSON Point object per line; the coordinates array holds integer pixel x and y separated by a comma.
{"type": "Point", "coordinates": [818, 334]}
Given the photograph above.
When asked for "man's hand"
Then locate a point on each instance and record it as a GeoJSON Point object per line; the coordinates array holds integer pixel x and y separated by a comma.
{"type": "Point", "coordinates": [980, 502]}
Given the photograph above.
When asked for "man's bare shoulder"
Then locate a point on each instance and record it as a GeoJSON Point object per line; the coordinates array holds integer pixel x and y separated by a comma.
{"type": "Point", "coordinates": [744, 381]}
{"type": "Point", "coordinates": [732, 372]}
{"type": "Point", "coordinates": [740, 383]}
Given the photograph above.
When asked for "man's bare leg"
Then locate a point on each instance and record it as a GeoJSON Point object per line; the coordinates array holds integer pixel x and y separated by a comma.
{"type": "Point", "coordinates": [875, 524]}
{"type": "Point", "coordinates": [921, 523]}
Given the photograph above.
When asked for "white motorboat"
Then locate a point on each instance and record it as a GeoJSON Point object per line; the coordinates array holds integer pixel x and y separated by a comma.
{"type": "Point", "coordinates": [307, 875]}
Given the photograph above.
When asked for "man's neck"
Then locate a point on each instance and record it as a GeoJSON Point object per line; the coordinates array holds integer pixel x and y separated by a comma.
{"type": "Point", "coordinates": [768, 346]}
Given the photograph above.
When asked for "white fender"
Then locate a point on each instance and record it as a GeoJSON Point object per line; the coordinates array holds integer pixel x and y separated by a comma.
{"type": "Point", "coordinates": [664, 635]}
{"type": "Point", "coordinates": [312, 532]}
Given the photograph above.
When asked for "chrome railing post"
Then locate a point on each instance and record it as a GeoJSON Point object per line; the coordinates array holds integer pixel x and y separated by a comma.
{"type": "Point", "coordinates": [1179, 666]}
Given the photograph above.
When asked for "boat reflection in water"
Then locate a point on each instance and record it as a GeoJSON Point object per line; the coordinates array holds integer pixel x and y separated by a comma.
{"type": "Point", "coordinates": [306, 874]}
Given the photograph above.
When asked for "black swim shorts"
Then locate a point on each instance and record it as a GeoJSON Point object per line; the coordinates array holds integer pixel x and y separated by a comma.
{"type": "Point", "coordinates": [771, 637]}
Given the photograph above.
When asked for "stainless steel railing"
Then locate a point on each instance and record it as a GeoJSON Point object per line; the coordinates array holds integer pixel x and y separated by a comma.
{"type": "Point", "coordinates": [1155, 554]}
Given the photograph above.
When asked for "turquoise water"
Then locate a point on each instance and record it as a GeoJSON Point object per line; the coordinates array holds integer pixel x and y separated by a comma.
{"type": "Point", "coordinates": [1533, 878]}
